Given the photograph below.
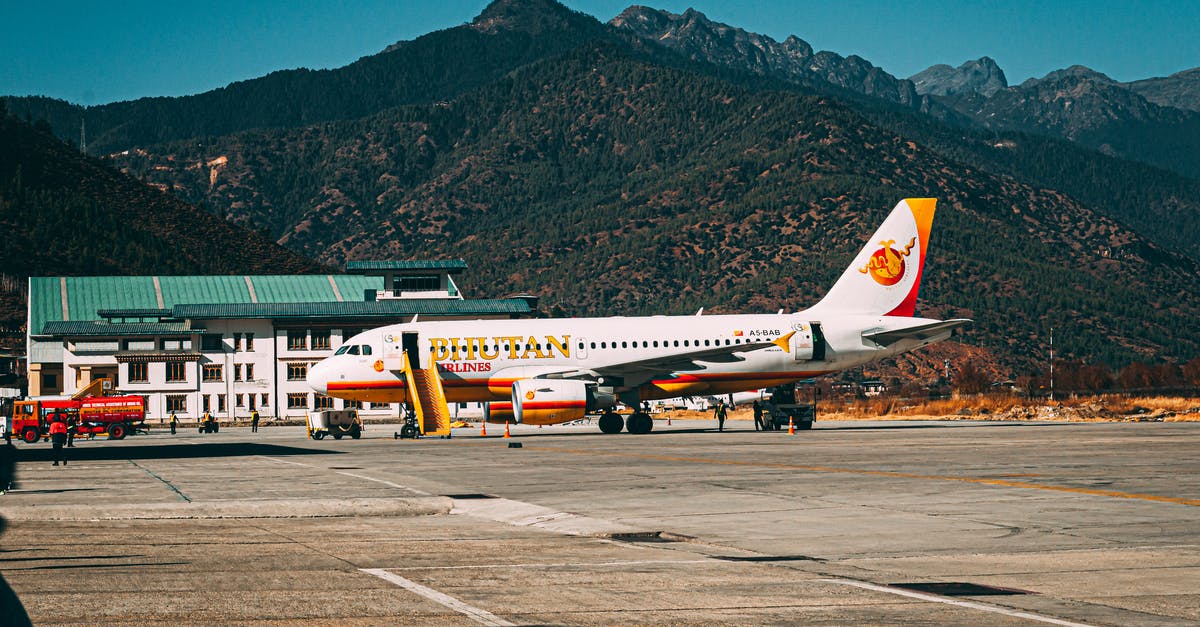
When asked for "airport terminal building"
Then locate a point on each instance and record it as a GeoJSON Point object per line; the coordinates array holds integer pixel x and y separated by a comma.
{"type": "Point", "coordinates": [230, 344]}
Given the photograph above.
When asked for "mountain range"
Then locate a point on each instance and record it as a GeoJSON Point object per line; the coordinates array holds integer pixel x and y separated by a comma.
{"type": "Point", "coordinates": [662, 162]}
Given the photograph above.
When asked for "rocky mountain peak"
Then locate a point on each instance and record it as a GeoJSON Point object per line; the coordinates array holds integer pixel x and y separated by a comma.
{"type": "Point", "coordinates": [697, 37]}
{"type": "Point", "coordinates": [1073, 73]}
{"type": "Point", "coordinates": [532, 16]}
{"type": "Point", "coordinates": [982, 76]}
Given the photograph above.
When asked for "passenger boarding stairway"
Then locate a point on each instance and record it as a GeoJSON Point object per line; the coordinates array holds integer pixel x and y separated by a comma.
{"type": "Point", "coordinates": [428, 399]}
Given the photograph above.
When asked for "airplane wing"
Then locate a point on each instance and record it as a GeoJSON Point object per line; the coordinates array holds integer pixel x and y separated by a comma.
{"type": "Point", "coordinates": [919, 333]}
{"type": "Point", "coordinates": [637, 372]}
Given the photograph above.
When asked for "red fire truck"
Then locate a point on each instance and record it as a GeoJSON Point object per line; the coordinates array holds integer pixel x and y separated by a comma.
{"type": "Point", "coordinates": [117, 416]}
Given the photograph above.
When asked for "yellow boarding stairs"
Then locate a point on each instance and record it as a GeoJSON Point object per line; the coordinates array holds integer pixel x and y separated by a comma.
{"type": "Point", "coordinates": [428, 399]}
{"type": "Point", "coordinates": [98, 387]}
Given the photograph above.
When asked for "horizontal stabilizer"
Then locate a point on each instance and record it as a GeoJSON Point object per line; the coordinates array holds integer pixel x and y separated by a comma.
{"type": "Point", "coordinates": [919, 333]}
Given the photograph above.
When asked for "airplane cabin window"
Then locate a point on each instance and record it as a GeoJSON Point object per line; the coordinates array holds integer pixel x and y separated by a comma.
{"type": "Point", "coordinates": [706, 342]}
{"type": "Point", "coordinates": [645, 344]}
{"type": "Point", "coordinates": [624, 345]}
{"type": "Point", "coordinates": [655, 343]}
{"type": "Point", "coordinates": [676, 342]}
{"type": "Point", "coordinates": [593, 345]}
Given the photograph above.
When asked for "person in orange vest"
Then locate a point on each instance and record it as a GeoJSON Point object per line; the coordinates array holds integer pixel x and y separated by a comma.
{"type": "Point", "coordinates": [58, 435]}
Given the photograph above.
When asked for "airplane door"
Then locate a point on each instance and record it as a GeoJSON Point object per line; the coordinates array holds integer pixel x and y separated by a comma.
{"type": "Point", "coordinates": [412, 348]}
{"type": "Point", "coordinates": [809, 342]}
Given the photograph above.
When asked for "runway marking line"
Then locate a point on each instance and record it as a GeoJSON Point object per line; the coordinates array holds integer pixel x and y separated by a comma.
{"type": "Point", "coordinates": [482, 617]}
{"type": "Point", "coordinates": [884, 473]}
{"type": "Point", "coordinates": [996, 609]}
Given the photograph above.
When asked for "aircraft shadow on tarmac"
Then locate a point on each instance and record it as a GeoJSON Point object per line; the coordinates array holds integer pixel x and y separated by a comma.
{"type": "Point", "coordinates": [90, 453]}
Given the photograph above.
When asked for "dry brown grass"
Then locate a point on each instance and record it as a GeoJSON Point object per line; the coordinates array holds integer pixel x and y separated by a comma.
{"type": "Point", "coordinates": [1113, 407]}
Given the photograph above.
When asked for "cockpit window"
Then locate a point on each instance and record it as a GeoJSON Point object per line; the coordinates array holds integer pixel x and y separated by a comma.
{"type": "Point", "coordinates": [341, 350]}
{"type": "Point", "coordinates": [366, 349]}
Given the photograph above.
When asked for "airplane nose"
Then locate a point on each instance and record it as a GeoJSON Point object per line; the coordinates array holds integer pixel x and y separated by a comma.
{"type": "Point", "coordinates": [318, 377]}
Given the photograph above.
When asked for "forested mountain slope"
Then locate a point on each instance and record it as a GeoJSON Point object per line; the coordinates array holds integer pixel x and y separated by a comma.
{"type": "Point", "coordinates": [612, 186]}
{"type": "Point", "coordinates": [65, 214]}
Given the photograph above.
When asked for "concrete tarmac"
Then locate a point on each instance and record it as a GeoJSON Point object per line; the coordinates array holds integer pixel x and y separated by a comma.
{"type": "Point", "coordinates": [850, 523]}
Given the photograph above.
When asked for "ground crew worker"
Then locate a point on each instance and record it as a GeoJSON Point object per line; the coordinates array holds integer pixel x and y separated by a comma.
{"type": "Point", "coordinates": [254, 421]}
{"type": "Point", "coordinates": [206, 423]}
{"type": "Point", "coordinates": [72, 427]}
{"type": "Point", "coordinates": [759, 425]}
{"type": "Point", "coordinates": [721, 414]}
{"type": "Point", "coordinates": [58, 435]}
{"type": "Point", "coordinates": [174, 422]}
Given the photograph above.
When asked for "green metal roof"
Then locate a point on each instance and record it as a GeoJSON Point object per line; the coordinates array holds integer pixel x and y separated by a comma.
{"type": "Point", "coordinates": [383, 309]}
{"type": "Point", "coordinates": [87, 296]}
{"type": "Point", "coordinates": [442, 265]}
{"type": "Point", "coordinates": [71, 328]}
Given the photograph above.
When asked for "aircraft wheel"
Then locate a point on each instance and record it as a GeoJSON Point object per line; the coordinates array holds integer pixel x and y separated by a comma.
{"type": "Point", "coordinates": [640, 424]}
{"type": "Point", "coordinates": [408, 431]}
{"type": "Point", "coordinates": [611, 423]}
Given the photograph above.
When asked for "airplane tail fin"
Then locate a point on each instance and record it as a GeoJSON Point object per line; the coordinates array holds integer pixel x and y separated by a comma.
{"type": "Point", "coordinates": [886, 273]}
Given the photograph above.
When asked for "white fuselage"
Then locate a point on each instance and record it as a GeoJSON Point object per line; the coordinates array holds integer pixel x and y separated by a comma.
{"type": "Point", "coordinates": [480, 360]}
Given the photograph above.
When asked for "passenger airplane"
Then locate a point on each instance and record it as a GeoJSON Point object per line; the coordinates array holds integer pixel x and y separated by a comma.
{"type": "Point", "coordinates": [549, 371]}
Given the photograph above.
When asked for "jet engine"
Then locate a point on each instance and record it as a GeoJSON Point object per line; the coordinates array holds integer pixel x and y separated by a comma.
{"type": "Point", "coordinates": [551, 401]}
{"type": "Point", "coordinates": [499, 412]}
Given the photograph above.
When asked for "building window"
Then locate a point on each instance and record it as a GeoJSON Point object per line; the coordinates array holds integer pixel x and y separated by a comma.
{"type": "Point", "coordinates": [139, 345]}
{"type": "Point", "coordinates": [221, 403]}
{"type": "Point", "coordinates": [264, 400]}
{"type": "Point", "coordinates": [380, 405]}
{"type": "Point", "coordinates": [352, 405]}
{"type": "Point", "coordinates": [297, 401]}
{"type": "Point", "coordinates": [320, 340]}
{"type": "Point", "coordinates": [249, 342]}
{"type": "Point", "coordinates": [211, 343]}
{"type": "Point", "coordinates": [297, 340]}
{"type": "Point", "coordinates": [297, 371]}
{"type": "Point", "coordinates": [237, 372]}
{"type": "Point", "coordinates": [250, 401]}
{"type": "Point", "coordinates": [239, 400]}
{"type": "Point", "coordinates": [418, 283]}
{"type": "Point", "coordinates": [206, 402]}
{"type": "Point", "coordinates": [177, 402]}
{"type": "Point", "coordinates": [139, 372]}
{"type": "Point", "coordinates": [177, 344]}
{"type": "Point", "coordinates": [249, 372]}
{"type": "Point", "coordinates": [349, 333]}
{"type": "Point", "coordinates": [214, 373]}
{"type": "Point", "coordinates": [237, 342]}
{"type": "Point", "coordinates": [176, 371]}
{"type": "Point", "coordinates": [323, 402]}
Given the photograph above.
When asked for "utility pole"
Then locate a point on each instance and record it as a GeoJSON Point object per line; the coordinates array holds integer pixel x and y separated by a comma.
{"type": "Point", "coordinates": [1051, 363]}
{"type": "Point", "coordinates": [83, 136]}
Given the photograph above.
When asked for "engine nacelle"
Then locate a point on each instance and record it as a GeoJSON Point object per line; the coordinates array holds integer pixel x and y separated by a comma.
{"type": "Point", "coordinates": [550, 401]}
{"type": "Point", "coordinates": [499, 412]}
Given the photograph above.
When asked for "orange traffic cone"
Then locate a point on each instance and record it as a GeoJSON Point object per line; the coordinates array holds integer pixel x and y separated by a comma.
{"type": "Point", "coordinates": [483, 430]}
{"type": "Point", "coordinates": [791, 426]}
{"type": "Point", "coordinates": [506, 430]}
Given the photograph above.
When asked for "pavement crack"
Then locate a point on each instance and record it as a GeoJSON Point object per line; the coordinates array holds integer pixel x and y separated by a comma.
{"type": "Point", "coordinates": [169, 485]}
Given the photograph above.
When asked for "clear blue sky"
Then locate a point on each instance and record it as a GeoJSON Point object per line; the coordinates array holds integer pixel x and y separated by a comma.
{"type": "Point", "coordinates": [97, 52]}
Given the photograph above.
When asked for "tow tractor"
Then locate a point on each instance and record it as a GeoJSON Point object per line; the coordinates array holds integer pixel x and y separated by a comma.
{"type": "Point", "coordinates": [336, 422]}
{"type": "Point", "coordinates": [780, 408]}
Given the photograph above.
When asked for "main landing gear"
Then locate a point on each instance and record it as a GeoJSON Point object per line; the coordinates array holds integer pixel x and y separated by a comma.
{"type": "Point", "coordinates": [637, 423]}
